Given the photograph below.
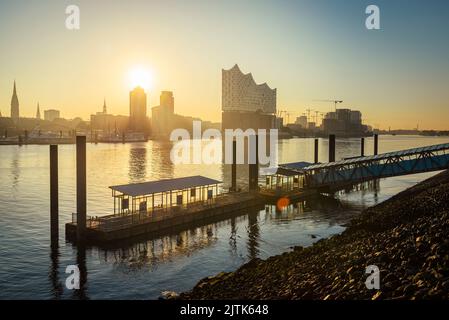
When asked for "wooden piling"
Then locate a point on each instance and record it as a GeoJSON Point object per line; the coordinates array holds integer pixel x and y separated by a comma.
{"type": "Point", "coordinates": [234, 166]}
{"type": "Point", "coordinates": [362, 147]}
{"type": "Point", "coordinates": [376, 144]}
{"type": "Point", "coordinates": [316, 151]}
{"type": "Point", "coordinates": [254, 167]}
{"type": "Point", "coordinates": [54, 196]}
{"type": "Point", "coordinates": [81, 188]}
{"type": "Point", "coordinates": [332, 148]}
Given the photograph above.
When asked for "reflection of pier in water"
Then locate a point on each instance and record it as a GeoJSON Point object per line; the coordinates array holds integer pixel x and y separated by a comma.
{"type": "Point", "coordinates": [150, 252]}
{"type": "Point", "coordinates": [153, 252]}
{"type": "Point", "coordinates": [81, 293]}
{"type": "Point", "coordinates": [315, 208]}
{"type": "Point", "coordinates": [53, 274]}
{"type": "Point", "coordinates": [370, 186]}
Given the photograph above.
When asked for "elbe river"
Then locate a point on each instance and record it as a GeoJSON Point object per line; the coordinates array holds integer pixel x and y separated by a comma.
{"type": "Point", "coordinates": [145, 268]}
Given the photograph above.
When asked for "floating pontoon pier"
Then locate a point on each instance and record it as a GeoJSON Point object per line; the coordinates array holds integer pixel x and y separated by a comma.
{"type": "Point", "coordinates": [158, 206]}
{"type": "Point", "coordinates": [141, 208]}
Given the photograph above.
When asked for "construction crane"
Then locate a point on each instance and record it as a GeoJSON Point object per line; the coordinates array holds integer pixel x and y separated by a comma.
{"type": "Point", "coordinates": [316, 117]}
{"type": "Point", "coordinates": [288, 117]}
{"type": "Point", "coordinates": [281, 112]}
{"type": "Point", "coordinates": [308, 114]}
{"type": "Point", "coordinates": [334, 101]}
{"type": "Point", "coordinates": [287, 114]}
{"type": "Point", "coordinates": [322, 114]}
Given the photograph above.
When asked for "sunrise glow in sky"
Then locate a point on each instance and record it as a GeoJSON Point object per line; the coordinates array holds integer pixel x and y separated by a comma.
{"type": "Point", "coordinates": [140, 76]}
{"type": "Point", "coordinates": [308, 50]}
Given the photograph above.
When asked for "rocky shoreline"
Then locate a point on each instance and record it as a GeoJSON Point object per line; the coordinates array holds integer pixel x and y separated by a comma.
{"type": "Point", "coordinates": [406, 237]}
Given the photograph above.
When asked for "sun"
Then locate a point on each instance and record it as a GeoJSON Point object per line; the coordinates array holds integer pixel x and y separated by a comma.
{"type": "Point", "coordinates": [140, 77]}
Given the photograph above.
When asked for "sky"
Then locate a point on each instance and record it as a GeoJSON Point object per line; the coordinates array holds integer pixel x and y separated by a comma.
{"type": "Point", "coordinates": [309, 50]}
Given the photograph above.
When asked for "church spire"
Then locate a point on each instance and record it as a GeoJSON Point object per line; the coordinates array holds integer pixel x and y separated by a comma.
{"type": "Point", "coordinates": [14, 104]}
{"type": "Point", "coordinates": [38, 112]}
{"type": "Point", "coordinates": [104, 106]}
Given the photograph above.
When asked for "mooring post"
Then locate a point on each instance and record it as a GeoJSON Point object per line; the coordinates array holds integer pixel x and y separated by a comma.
{"type": "Point", "coordinates": [234, 166]}
{"type": "Point", "coordinates": [80, 187]}
{"type": "Point", "coordinates": [54, 196]}
{"type": "Point", "coordinates": [376, 143]}
{"type": "Point", "coordinates": [332, 148]}
{"type": "Point", "coordinates": [362, 147]}
{"type": "Point", "coordinates": [81, 263]}
{"type": "Point", "coordinates": [254, 167]}
{"type": "Point", "coordinates": [316, 151]}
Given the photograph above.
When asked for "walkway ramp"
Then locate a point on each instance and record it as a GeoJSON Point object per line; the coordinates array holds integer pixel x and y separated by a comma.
{"type": "Point", "coordinates": [339, 174]}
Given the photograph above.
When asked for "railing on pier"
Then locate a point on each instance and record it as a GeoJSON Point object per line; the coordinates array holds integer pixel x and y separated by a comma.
{"type": "Point", "coordinates": [116, 222]}
{"type": "Point", "coordinates": [352, 171]}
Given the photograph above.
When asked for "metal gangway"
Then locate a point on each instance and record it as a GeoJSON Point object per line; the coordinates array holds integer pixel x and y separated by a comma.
{"type": "Point", "coordinates": [348, 172]}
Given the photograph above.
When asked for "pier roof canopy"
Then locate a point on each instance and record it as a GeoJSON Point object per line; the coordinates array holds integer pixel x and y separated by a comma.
{"type": "Point", "coordinates": [292, 169]}
{"type": "Point", "coordinates": [150, 187]}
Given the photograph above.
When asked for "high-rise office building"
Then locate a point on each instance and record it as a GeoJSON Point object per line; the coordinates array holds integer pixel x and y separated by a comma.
{"type": "Point", "coordinates": [14, 105]}
{"type": "Point", "coordinates": [137, 109]}
{"type": "Point", "coordinates": [167, 101]}
{"type": "Point", "coordinates": [163, 116]}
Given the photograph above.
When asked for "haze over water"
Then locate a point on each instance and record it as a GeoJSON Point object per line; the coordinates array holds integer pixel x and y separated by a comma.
{"type": "Point", "coordinates": [143, 269]}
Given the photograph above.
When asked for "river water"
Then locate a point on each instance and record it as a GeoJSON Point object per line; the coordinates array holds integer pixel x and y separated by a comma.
{"type": "Point", "coordinates": [144, 268]}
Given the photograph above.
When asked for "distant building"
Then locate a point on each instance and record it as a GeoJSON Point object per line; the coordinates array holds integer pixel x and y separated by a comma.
{"type": "Point", "coordinates": [246, 104]}
{"type": "Point", "coordinates": [14, 105]}
{"type": "Point", "coordinates": [102, 120]}
{"type": "Point", "coordinates": [108, 123]}
{"type": "Point", "coordinates": [164, 119]}
{"type": "Point", "coordinates": [311, 125]}
{"type": "Point", "coordinates": [163, 116]}
{"type": "Point", "coordinates": [241, 93]}
{"type": "Point", "coordinates": [331, 115]}
{"type": "Point", "coordinates": [302, 121]}
{"type": "Point", "coordinates": [138, 110]}
{"type": "Point", "coordinates": [167, 101]}
{"type": "Point", "coordinates": [279, 122]}
{"type": "Point", "coordinates": [51, 114]}
{"type": "Point", "coordinates": [38, 112]}
{"type": "Point", "coordinates": [356, 116]}
{"type": "Point", "coordinates": [345, 123]}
